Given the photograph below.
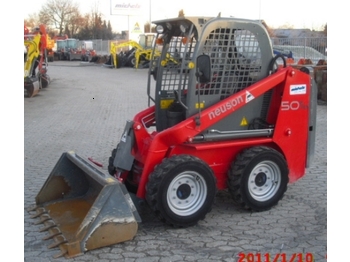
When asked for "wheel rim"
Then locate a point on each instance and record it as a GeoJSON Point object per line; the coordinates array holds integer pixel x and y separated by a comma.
{"type": "Point", "coordinates": [133, 61]}
{"type": "Point", "coordinates": [264, 181]}
{"type": "Point", "coordinates": [186, 193]}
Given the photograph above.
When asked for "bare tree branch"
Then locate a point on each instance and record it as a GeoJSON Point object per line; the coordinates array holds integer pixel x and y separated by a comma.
{"type": "Point", "coordinates": [59, 13]}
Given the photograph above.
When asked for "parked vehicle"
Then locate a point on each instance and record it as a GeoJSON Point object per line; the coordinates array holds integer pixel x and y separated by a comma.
{"type": "Point", "coordinates": [222, 115]}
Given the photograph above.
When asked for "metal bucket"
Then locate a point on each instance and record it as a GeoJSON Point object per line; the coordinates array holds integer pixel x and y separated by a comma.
{"type": "Point", "coordinates": [83, 208]}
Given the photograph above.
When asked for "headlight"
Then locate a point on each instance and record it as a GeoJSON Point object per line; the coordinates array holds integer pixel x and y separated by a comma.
{"type": "Point", "coordinates": [160, 29]}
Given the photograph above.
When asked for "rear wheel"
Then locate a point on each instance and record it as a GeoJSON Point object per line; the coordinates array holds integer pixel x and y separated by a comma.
{"type": "Point", "coordinates": [258, 178]}
{"type": "Point", "coordinates": [181, 190]}
{"type": "Point", "coordinates": [131, 61]}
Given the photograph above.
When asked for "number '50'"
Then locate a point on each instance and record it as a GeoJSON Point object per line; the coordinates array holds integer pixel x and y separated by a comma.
{"type": "Point", "coordinates": [293, 105]}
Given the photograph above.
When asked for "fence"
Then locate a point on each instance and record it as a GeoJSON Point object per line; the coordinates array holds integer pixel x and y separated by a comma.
{"type": "Point", "coordinates": [311, 48]}
{"type": "Point", "coordinates": [101, 47]}
{"type": "Point", "coordinates": [307, 47]}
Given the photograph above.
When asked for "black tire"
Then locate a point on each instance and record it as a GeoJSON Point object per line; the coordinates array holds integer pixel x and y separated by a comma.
{"type": "Point", "coordinates": [129, 184]}
{"type": "Point", "coordinates": [131, 61]}
{"type": "Point", "coordinates": [120, 61]}
{"type": "Point", "coordinates": [181, 190]}
{"type": "Point", "coordinates": [258, 179]}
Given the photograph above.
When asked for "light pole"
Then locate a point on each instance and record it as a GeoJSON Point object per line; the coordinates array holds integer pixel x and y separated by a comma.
{"type": "Point", "coordinates": [150, 11]}
{"type": "Point", "coordinates": [259, 9]}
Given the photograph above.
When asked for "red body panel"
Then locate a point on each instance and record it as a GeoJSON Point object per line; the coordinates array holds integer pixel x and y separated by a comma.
{"type": "Point", "coordinates": [292, 125]}
{"type": "Point", "coordinates": [289, 111]}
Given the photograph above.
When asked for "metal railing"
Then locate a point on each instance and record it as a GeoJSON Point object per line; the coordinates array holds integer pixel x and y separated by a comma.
{"type": "Point", "coordinates": [311, 48]}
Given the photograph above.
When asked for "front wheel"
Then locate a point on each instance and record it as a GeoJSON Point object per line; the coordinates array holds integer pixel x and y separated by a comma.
{"type": "Point", "coordinates": [258, 179]}
{"type": "Point", "coordinates": [181, 190]}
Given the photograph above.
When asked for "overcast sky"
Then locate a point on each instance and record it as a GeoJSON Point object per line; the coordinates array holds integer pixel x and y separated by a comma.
{"type": "Point", "coordinates": [297, 13]}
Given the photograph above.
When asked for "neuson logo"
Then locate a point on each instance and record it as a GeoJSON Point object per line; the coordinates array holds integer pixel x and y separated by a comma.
{"type": "Point", "coordinates": [230, 105]}
{"type": "Point", "coordinates": [124, 6]}
{"type": "Point", "coordinates": [297, 89]}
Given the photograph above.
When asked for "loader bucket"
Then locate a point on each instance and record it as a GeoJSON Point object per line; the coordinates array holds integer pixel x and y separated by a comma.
{"type": "Point", "coordinates": [83, 208]}
{"type": "Point", "coordinates": [31, 88]}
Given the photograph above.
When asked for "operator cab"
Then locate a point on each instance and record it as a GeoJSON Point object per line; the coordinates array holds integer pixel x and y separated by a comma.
{"type": "Point", "coordinates": [204, 60]}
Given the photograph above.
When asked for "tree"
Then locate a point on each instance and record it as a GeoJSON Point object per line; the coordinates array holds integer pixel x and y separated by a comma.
{"type": "Point", "coordinates": [286, 26]}
{"type": "Point", "coordinates": [97, 26]}
{"type": "Point", "coordinates": [32, 21]}
{"type": "Point", "coordinates": [109, 34]}
{"type": "Point", "coordinates": [60, 14]}
{"type": "Point", "coordinates": [64, 16]}
{"type": "Point", "coordinates": [76, 23]}
{"type": "Point", "coordinates": [268, 29]}
{"type": "Point", "coordinates": [84, 33]}
{"type": "Point", "coordinates": [181, 13]}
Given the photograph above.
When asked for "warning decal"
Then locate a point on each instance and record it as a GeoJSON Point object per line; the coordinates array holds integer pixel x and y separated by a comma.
{"type": "Point", "coordinates": [137, 28]}
{"type": "Point", "coordinates": [248, 97]}
{"type": "Point", "coordinates": [244, 122]}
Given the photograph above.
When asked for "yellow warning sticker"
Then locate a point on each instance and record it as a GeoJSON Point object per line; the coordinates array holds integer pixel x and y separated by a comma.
{"type": "Point", "coordinates": [199, 105]}
{"type": "Point", "coordinates": [244, 122]}
{"type": "Point", "coordinates": [164, 104]}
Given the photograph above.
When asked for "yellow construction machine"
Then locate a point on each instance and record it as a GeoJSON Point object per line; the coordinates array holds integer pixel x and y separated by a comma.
{"type": "Point", "coordinates": [131, 58]}
{"type": "Point", "coordinates": [35, 64]}
{"type": "Point", "coordinates": [134, 57]}
{"type": "Point", "coordinates": [132, 53]}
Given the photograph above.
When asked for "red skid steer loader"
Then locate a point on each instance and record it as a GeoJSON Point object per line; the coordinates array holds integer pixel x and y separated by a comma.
{"type": "Point", "coordinates": [224, 113]}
